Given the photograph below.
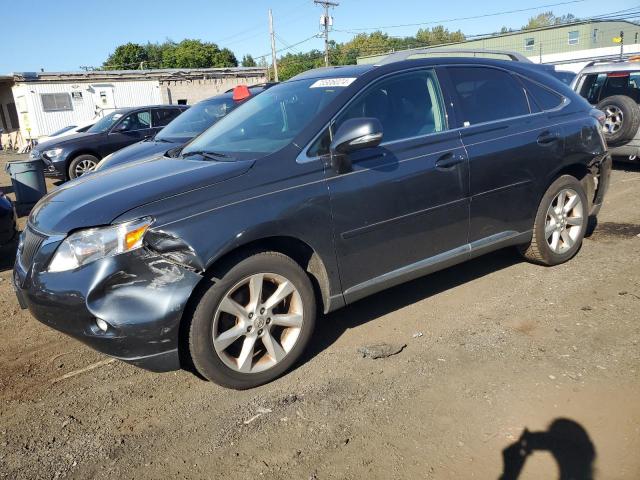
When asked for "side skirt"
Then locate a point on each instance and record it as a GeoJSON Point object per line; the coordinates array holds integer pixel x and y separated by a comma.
{"type": "Point", "coordinates": [437, 262]}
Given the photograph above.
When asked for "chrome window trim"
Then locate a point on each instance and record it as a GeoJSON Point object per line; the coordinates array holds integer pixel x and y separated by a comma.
{"type": "Point", "coordinates": [304, 158]}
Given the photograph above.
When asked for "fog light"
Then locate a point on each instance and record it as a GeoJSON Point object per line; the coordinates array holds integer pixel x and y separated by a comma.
{"type": "Point", "coordinates": [102, 325]}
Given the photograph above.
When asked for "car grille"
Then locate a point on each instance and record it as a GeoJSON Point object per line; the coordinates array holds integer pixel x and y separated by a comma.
{"type": "Point", "coordinates": [29, 246]}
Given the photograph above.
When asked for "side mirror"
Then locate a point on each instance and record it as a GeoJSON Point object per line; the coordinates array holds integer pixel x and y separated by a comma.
{"type": "Point", "coordinates": [354, 134]}
{"type": "Point", "coordinates": [121, 127]}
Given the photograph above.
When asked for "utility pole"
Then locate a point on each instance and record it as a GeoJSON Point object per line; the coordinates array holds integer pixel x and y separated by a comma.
{"type": "Point", "coordinates": [273, 47]}
{"type": "Point", "coordinates": [621, 44]}
{"type": "Point", "coordinates": [326, 21]}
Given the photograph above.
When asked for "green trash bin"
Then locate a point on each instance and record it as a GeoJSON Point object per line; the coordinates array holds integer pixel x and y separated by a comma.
{"type": "Point", "coordinates": [27, 179]}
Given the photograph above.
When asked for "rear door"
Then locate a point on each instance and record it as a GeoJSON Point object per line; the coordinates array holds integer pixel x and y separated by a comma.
{"type": "Point", "coordinates": [406, 201]}
{"type": "Point", "coordinates": [511, 145]}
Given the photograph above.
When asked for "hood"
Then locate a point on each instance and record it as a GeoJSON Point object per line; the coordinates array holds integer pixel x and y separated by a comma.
{"type": "Point", "coordinates": [99, 198]}
{"type": "Point", "coordinates": [61, 141]}
{"type": "Point", "coordinates": [138, 151]}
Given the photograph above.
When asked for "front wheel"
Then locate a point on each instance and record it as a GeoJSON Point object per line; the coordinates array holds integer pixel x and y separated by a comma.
{"type": "Point", "coordinates": [82, 165]}
{"type": "Point", "coordinates": [253, 323]}
{"type": "Point", "coordinates": [560, 223]}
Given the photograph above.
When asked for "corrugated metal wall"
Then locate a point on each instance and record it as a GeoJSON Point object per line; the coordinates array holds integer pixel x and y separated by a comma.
{"type": "Point", "coordinates": [126, 94]}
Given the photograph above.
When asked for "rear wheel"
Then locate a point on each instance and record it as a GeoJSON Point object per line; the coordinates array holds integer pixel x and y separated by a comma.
{"type": "Point", "coordinates": [254, 323]}
{"type": "Point", "coordinates": [560, 224]}
{"type": "Point", "coordinates": [81, 165]}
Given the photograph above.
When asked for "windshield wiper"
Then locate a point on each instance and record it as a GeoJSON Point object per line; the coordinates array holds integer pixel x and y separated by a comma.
{"type": "Point", "coordinates": [206, 154]}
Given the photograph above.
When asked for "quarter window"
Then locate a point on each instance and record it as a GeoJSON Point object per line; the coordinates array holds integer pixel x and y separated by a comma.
{"type": "Point", "coordinates": [574, 37]}
{"type": "Point", "coordinates": [545, 98]}
{"type": "Point", "coordinates": [487, 94]}
{"type": "Point", "coordinates": [407, 105]}
{"type": "Point", "coordinates": [56, 102]}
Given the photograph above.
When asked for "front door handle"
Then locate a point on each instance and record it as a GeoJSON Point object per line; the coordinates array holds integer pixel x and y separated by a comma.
{"type": "Point", "coordinates": [547, 138]}
{"type": "Point", "coordinates": [448, 161]}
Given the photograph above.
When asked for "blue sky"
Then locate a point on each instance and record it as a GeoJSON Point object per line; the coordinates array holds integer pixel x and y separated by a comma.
{"type": "Point", "coordinates": [65, 34]}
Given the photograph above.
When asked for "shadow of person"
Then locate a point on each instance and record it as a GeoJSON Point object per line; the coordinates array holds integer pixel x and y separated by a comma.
{"type": "Point", "coordinates": [565, 439]}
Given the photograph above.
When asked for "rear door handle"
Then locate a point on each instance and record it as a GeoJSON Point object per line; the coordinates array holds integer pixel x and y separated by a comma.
{"type": "Point", "coordinates": [547, 138]}
{"type": "Point", "coordinates": [448, 161]}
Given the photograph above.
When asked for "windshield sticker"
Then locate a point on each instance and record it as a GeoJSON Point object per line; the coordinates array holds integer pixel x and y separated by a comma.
{"type": "Point", "coordinates": [332, 82]}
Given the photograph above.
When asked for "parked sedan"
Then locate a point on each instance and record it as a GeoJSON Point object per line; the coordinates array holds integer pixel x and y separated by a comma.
{"type": "Point", "coordinates": [184, 127]}
{"type": "Point", "coordinates": [319, 192]}
{"type": "Point", "coordinates": [74, 155]}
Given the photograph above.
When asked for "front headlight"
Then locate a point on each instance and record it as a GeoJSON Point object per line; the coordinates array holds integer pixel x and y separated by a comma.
{"type": "Point", "coordinates": [53, 153]}
{"type": "Point", "coordinates": [85, 246]}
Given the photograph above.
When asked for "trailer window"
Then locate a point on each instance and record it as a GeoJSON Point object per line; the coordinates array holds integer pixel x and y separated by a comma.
{"type": "Point", "coordinates": [56, 102]}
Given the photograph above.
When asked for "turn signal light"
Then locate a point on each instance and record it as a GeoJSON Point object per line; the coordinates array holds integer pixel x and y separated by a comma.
{"type": "Point", "coordinates": [133, 237]}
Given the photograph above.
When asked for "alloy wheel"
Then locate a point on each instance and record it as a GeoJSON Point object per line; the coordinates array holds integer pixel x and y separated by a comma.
{"type": "Point", "coordinates": [257, 323]}
{"type": "Point", "coordinates": [565, 217]}
{"type": "Point", "coordinates": [83, 167]}
{"type": "Point", "coordinates": [613, 120]}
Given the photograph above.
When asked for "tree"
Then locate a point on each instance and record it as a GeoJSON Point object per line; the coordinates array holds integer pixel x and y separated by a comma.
{"type": "Point", "coordinates": [248, 61]}
{"type": "Point", "coordinates": [129, 56]}
{"type": "Point", "coordinates": [169, 54]}
{"type": "Point", "coordinates": [197, 54]}
{"type": "Point", "coordinates": [438, 35]}
{"type": "Point", "coordinates": [292, 64]}
{"type": "Point", "coordinates": [548, 19]}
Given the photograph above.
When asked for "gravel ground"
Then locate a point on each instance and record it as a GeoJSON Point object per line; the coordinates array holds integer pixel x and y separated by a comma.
{"type": "Point", "coordinates": [493, 347]}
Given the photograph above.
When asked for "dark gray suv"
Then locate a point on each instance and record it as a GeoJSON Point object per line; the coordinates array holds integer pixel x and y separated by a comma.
{"type": "Point", "coordinates": [324, 189]}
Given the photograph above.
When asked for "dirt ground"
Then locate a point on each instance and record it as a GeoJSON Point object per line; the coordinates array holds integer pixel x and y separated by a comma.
{"type": "Point", "coordinates": [494, 347]}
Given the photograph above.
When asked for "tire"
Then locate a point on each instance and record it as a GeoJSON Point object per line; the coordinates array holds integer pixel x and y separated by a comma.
{"type": "Point", "coordinates": [215, 315]}
{"type": "Point", "coordinates": [548, 245]}
{"type": "Point", "coordinates": [622, 119]}
{"type": "Point", "coordinates": [81, 165]}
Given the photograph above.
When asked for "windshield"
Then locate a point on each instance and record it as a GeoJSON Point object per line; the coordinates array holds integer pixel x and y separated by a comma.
{"type": "Point", "coordinates": [197, 119]}
{"type": "Point", "coordinates": [269, 121]}
{"type": "Point", "coordinates": [105, 122]}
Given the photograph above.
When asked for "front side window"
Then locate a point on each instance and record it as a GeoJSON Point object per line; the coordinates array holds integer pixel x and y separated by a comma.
{"type": "Point", "coordinates": [574, 37]}
{"type": "Point", "coordinates": [56, 102]}
{"type": "Point", "coordinates": [407, 105]}
{"type": "Point", "coordinates": [487, 94]}
{"type": "Point", "coordinates": [136, 121]}
{"type": "Point", "coordinates": [269, 121]}
{"type": "Point", "coordinates": [529, 43]}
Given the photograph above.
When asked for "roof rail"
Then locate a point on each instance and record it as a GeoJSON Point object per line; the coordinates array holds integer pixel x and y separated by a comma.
{"type": "Point", "coordinates": [406, 54]}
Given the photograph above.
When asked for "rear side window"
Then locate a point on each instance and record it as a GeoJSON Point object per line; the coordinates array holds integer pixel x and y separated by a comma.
{"type": "Point", "coordinates": [545, 98]}
{"type": "Point", "coordinates": [162, 116]}
{"type": "Point", "coordinates": [487, 94]}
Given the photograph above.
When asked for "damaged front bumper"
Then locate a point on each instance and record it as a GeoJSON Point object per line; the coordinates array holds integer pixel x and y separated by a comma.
{"type": "Point", "coordinates": [140, 295]}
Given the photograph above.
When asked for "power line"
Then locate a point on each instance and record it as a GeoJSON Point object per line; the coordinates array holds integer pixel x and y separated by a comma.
{"type": "Point", "coordinates": [448, 20]}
